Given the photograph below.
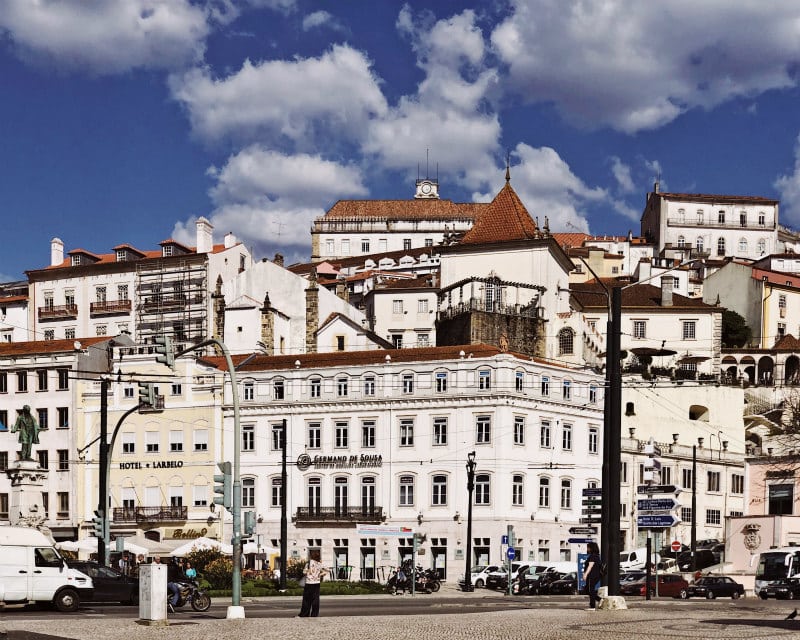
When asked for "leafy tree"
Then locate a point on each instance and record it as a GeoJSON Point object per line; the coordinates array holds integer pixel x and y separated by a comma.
{"type": "Point", "coordinates": [735, 332]}
{"type": "Point", "coordinates": [201, 558]}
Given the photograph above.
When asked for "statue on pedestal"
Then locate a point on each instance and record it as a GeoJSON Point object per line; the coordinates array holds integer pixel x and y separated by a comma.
{"type": "Point", "coordinates": [28, 430]}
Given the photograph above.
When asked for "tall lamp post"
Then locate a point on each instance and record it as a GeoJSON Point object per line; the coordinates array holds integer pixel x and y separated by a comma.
{"type": "Point", "coordinates": [470, 488]}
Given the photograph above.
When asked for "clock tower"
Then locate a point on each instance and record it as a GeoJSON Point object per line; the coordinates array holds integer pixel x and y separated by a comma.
{"type": "Point", "coordinates": [427, 189]}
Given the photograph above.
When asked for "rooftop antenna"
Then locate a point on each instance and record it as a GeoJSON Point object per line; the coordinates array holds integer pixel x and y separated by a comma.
{"type": "Point", "coordinates": [427, 173]}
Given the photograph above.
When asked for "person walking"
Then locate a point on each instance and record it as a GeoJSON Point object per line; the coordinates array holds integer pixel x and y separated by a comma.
{"type": "Point", "coordinates": [314, 573]}
{"type": "Point", "coordinates": [591, 573]}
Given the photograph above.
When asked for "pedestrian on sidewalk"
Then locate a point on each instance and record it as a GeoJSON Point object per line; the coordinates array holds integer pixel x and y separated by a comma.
{"type": "Point", "coordinates": [591, 573]}
{"type": "Point", "coordinates": [314, 573]}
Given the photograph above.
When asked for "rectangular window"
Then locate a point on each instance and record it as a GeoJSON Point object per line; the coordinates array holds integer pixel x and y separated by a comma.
{"type": "Point", "coordinates": [666, 475]}
{"type": "Point", "coordinates": [43, 458]}
{"type": "Point", "coordinates": [441, 382]}
{"type": "Point", "coordinates": [408, 383]}
{"type": "Point", "coordinates": [176, 440]}
{"type": "Point", "coordinates": [3, 460]}
{"type": "Point", "coordinates": [364, 245]}
{"type": "Point", "coordinates": [484, 379]}
{"type": "Point", "coordinates": [781, 499]}
{"type": "Point", "coordinates": [566, 390]}
{"type": "Point", "coordinates": [439, 493]}
{"type": "Point", "coordinates": [275, 494]}
{"type": "Point", "coordinates": [248, 437]}
{"type": "Point", "coordinates": [314, 435]}
{"type": "Point", "coordinates": [440, 432]}
{"type": "Point", "coordinates": [62, 414]}
{"type": "Point", "coordinates": [128, 442]}
{"type": "Point", "coordinates": [406, 491]}
{"type": "Point", "coordinates": [49, 334]}
{"type": "Point", "coordinates": [63, 460]}
{"type": "Point", "coordinates": [249, 391]}
{"type": "Point", "coordinates": [713, 516]}
{"type": "Point", "coordinates": [544, 434]}
{"type": "Point", "coordinates": [4, 419]}
{"type": "Point", "coordinates": [176, 389]}
{"type": "Point", "coordinates": [397, 340]}
{"type": "Point", "coordinates": [483, 430]}
{"type": "Point", "coordinates": [397, 307]}
{"type": "Point", "coordinates": [200, 437]}
{"type": "Point", "coordinates": [277, 437]}
{"type": "Point", "coordinates": [713, 481]}
{"type": "Point", "coordinates": [737, 483]}
{"type": "Point", "coordinates": [151, 441]}
{"type": "Point", "coordinates": [62, 498]}
{"type": "Point", "coordinates": [63, 379]}
{"type": "Point", "coordinates": [200, 495]}
{"type": "Point", "coordinates": [22, 381]}
{"type": "Point", "coordinates": [278, 389]}
{"type": "Point", "coordinates": [544, 493]}
{"type": "Point", "coordinates": [341, 387]}
{"type": "Point", "coordinates": [406, 244]}
{"type": "Point", "coordinates": [341, 435]}
{"type": "Point", "coordinates": [482, 489]}
{"type": "Point", "coordinates": [592, 394]}
{"type": "Point", "coordinates": [3, 506]}
{"type": "Point", "coordinates": [368, 434]}
{"type": "Point", "coordinates": [345, 247]}
{"type": "Point", "coordinates": [316, 387]}
{"type": "Point", "coordinates": [519, 380]}
{"type": "Point", "coordinates": [422, 305]}
{"type": "Point", "coordinates": [517, 490]}
{"type": "Point", "coordinates": [41, 380]}
{"type": "Point", "coordinates": [43, 418]}
{"type": "Point", "coordinates": [545, 386]}
{"type": "Point", "coordinates": [519, 430]}
{"type": "Point", "coordinates": [593, 439]}
{"type": "Point", "coordinates": [566, 494]}
{"type": "Point", "coordinates": [369, 385]}
{"type": "Point", "coordinates": [623, 472]}
{"type": "Point", "coordinates": [566, 437]}
{"type": "Point", "coordinates": [639, 329]}
{"type": "Point", "coordinates": [406, 432]}
{"type": "Point", "coordinates": [689, 329]}
{"type": "Point", "coordinates": [423, 340]}
{"type": "Point", "coordinates": [3, 382]}
{"type": "Point", "coordinates": [686, 478]}
{"type": "Point", "coordinates": [122, 292]}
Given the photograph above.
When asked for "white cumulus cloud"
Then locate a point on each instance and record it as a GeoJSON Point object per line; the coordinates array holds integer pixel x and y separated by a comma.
{"type": "Point", "coordinates": [789, 187]}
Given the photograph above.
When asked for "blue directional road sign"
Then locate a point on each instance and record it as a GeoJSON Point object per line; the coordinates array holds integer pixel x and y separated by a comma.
{"type": "Point", "coordinates": [504, 539]}
{"type": "Point", "coordinates": [658, 488]}
{"type": "Point", "coordinates": [660, 521]}
{"type": "Point", "coordinates": [510, 553]}
{"type": "Point", "coordinates": [593, 492]}
{"type": "Point", "coordinates": [656, 504]}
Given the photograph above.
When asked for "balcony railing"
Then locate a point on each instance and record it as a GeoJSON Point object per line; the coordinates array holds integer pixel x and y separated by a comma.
{"type": "Point", "coordinates": [59, 312]}
{"type": "Point", "coordinates": [166, 513]}
{"type": "Point", "coordinates": [339, 515]}
{"type": "Point", "coordinates": [109, 307]}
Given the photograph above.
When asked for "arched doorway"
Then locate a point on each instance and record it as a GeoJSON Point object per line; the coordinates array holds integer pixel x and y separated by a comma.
{"type": "Point", "coordinates": [748, 366]}
{"type": "Point", "coordinates": [766, 370]}
{"type": "Point", "coordinates": [730, 369]}
{"type": "Point", "coordinates": [791, 370]}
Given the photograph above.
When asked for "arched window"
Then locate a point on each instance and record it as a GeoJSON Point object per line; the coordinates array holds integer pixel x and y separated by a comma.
{"type": "Point", "coordinates": [762, 247]}
{"type": "Point", "coordinates": [721, 247]}
{"type": "Point", "coordinates": [566, 341]}
{"type": "Point", "coordinates": [742, 245]}
{"type": "Point", "coordinates": [544, 492]}
{"type": "Point", "coordinates": [439, 495]}
{"type": "Point", "coordinates": [700, 244]}
{"type": "Point", "coordinates": [681, 241]}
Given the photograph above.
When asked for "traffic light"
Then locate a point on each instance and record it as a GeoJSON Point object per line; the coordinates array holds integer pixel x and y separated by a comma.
{"type": "Point", "coordinates": [224, 486]}
{"type": "Point", "coordinates": [249, 522]}
{"type": "Point", "coordinates": [99, 524]}
{"type": "Point", "coordinates": [164, 353]}
{"type": "Point", "coordinates": [147, 394]}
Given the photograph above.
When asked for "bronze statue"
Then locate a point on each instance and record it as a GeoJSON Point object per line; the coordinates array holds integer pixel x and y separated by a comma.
{"type": "Point", "coordinates": [28, 430]}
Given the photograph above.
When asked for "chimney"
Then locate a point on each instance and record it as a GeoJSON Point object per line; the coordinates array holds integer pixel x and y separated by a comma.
{"type": "Point", "coordinates": [278, 259]}
{"type": "Point", "coordinates": [204, 236]}
{"type": "Point", "coordinates": [56, 252]}
{"type": "Point", "coordinates": [666, 291]}
{"type": "Point", "coordinates": [230, 240]}
{"type": "Point", "coordinates": [312, 312]}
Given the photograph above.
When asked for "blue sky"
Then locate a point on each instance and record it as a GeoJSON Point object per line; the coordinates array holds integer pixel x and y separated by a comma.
{"type": "Point", "coordinates": [125, 121]}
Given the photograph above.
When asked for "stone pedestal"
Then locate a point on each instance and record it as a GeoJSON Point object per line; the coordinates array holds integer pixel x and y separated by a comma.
{"type": "Point", "coordinates": [25, 502]}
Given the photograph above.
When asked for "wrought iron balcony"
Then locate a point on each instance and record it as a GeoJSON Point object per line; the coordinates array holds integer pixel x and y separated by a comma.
{"type": "Point", "coordinates": [58, 312]}
{"type": "Point", "coordinates": [109, 307]}
{"type": "Point", "coordinates": [342, 515]}
{"type": "Point", "coordinates": [166, 513]}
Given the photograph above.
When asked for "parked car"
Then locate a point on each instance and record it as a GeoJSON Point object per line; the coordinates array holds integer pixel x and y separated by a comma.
{"type": "Point", "coordinates": [495, 578]}
{"type": "Point", "coordinates": [668, 565]}
{"type": "Point", "coordinates": [712, 586]}
{"type": "Point", "coordinates": [669, 585]}
{"type": "Point", "coordinates": [567, 584]}
{"type": "Point", "coordinates": [478, 575]}
{"type": "Point", "coordinates": [704, 558]}
{"type": "Point", "coordinates": [631, 576]}
{"type": "Point", "coordinates": [109, 585]}
{"type": "Point", "coordinates": [785, 589]}
{"type": "Point", "coordinates": [707, 543]}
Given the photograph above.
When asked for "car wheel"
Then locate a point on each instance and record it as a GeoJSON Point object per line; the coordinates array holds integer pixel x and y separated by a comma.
{"type": "Point", "coordinates": [684, 594]}
{"type": "Point", "coordinates": [735, 595]}
{"type": "Point", "coordinates": [762, 595]}
{"type": "Point", "coordinates": [133, 600]}
{"type": "Point", "coordinates": [710, 595]}
{"type": "Point", "coordinates": [67, 601]}
{"type": "Point", "coordinates": [479, 583]}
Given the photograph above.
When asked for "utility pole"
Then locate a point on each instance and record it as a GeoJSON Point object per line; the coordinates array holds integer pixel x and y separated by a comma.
{"type": "Point", "coordinates": [284, 507]}
{"type": "Point", "coordinates": [104, 541]}
{"type": "Point", "coordinates": [613, 436]}
{"type": "Point", "coordinates": [694, 508]}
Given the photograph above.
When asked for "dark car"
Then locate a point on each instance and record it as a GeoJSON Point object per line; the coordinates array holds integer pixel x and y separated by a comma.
{"type": "Point", "coordinates": [785, 589]}
{"type": "Point", "coordinates": [708, 543]}
{"type": "Point", "coordinates": [539, 583]}
{"type": "Point", "coordinates": [704, 558]}
{"type": "Point", "coordinates": [712, 586]}
{"type": "Point", "coordinates": [567, 585]}
{"type": "Point", "coordinates": [109, 585]}
{"type": "Point", "coordinates": [631, 576]}
{"type": "Point", "coordinates": [669, 584]}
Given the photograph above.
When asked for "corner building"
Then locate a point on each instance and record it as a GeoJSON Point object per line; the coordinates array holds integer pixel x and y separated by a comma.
{"type": "Point", "coordinates": [380, 437]}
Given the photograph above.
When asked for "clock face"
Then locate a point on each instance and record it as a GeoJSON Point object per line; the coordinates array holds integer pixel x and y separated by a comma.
{"type": "Point", "coordinates": [426, 187]}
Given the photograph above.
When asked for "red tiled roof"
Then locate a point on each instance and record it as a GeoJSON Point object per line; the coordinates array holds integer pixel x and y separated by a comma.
{"type": "Point", "coordinates": [787, 343]}
{"type": "Point", "coordinates": [567, 240]}
{"type": "Point", "coordinates": [108, 258]}
{"type": "Point", "coordinates": [505, 220]}
{"type": "Point", "coordinates": [341, 263]}
{"type": "Point", "coordinates": [710, 198]}
{"type": "Point", "coordinates": [640, 296]}
{"type": "Point", "coordinates": [47, 346]}
{"type": "Point", "coordinates": [417, 209]}
{"type": "Point", "coordinates": [424, 281]}
{"type": "Point", "coordinates": [8, 299]}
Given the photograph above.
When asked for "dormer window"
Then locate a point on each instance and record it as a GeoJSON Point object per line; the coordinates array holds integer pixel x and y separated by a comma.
{"type": "Point", "coordinates": [166, 251]}
{"type": "Point", "coordinates": [76, 260]}
{"type": "Point", "coordinates": [122, 255]}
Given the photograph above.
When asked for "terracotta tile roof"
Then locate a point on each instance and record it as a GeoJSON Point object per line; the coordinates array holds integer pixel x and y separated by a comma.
{"type": "Point", "coordinates": [567, 240]}
{"type": "Point", "coordinates": [10, 299]}
{"type": "Point", "coordinates": [590, 294]}
{"type": "Point", "coordinates": [129, 247]}
{"type": "Point", "coordinates": [356, 261]}
{"type": "Point", "coordinates": [417, 209]}
{"type": "Point", "coordinates": [505, 220]}
{"type": "Point", "coordinates": [710, 198]}
{"type": "Point", "coordinates": [108, 258]}
{"type": "Point", "coordinates": [584, 252]}
{"type": "Point", "coordinates": [421, 282]}
{"type": "Point", "coordinates": [787, 343]}
{"type": "Point", "coordinates": [8, 349]}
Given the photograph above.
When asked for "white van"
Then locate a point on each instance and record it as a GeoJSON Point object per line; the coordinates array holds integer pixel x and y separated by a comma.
{"type": "Point", "coordinates": [636, 559]}
{"type": "Point", "coordinates": [31, 570]}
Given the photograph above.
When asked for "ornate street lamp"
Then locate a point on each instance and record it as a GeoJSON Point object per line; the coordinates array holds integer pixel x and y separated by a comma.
{"type": "Point", "coordinates": [470, 488]}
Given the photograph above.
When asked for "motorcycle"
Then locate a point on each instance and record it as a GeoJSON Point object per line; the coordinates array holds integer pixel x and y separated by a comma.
{"type": "Point", "coordinates": [190, 593]}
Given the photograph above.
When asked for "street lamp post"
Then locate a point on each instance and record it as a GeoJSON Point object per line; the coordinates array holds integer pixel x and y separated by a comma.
{"type": "Point", "coordinates": [470, 488]}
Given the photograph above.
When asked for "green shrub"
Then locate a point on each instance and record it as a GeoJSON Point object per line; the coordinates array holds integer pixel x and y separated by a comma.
{"type": "Point", "coordinates": [219, 573]}
{"type": "Point", "coordinates": [201, 558]}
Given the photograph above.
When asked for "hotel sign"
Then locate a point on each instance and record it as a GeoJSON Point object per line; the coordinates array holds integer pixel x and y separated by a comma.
{"type": "Point", "coordinates": [158, 464]}
{"type": "Point", "coordinates": [363, 461]}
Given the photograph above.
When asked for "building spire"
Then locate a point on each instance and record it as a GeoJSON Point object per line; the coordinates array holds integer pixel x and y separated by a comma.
{"type": "Point", "coordinates": [508, 167]}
